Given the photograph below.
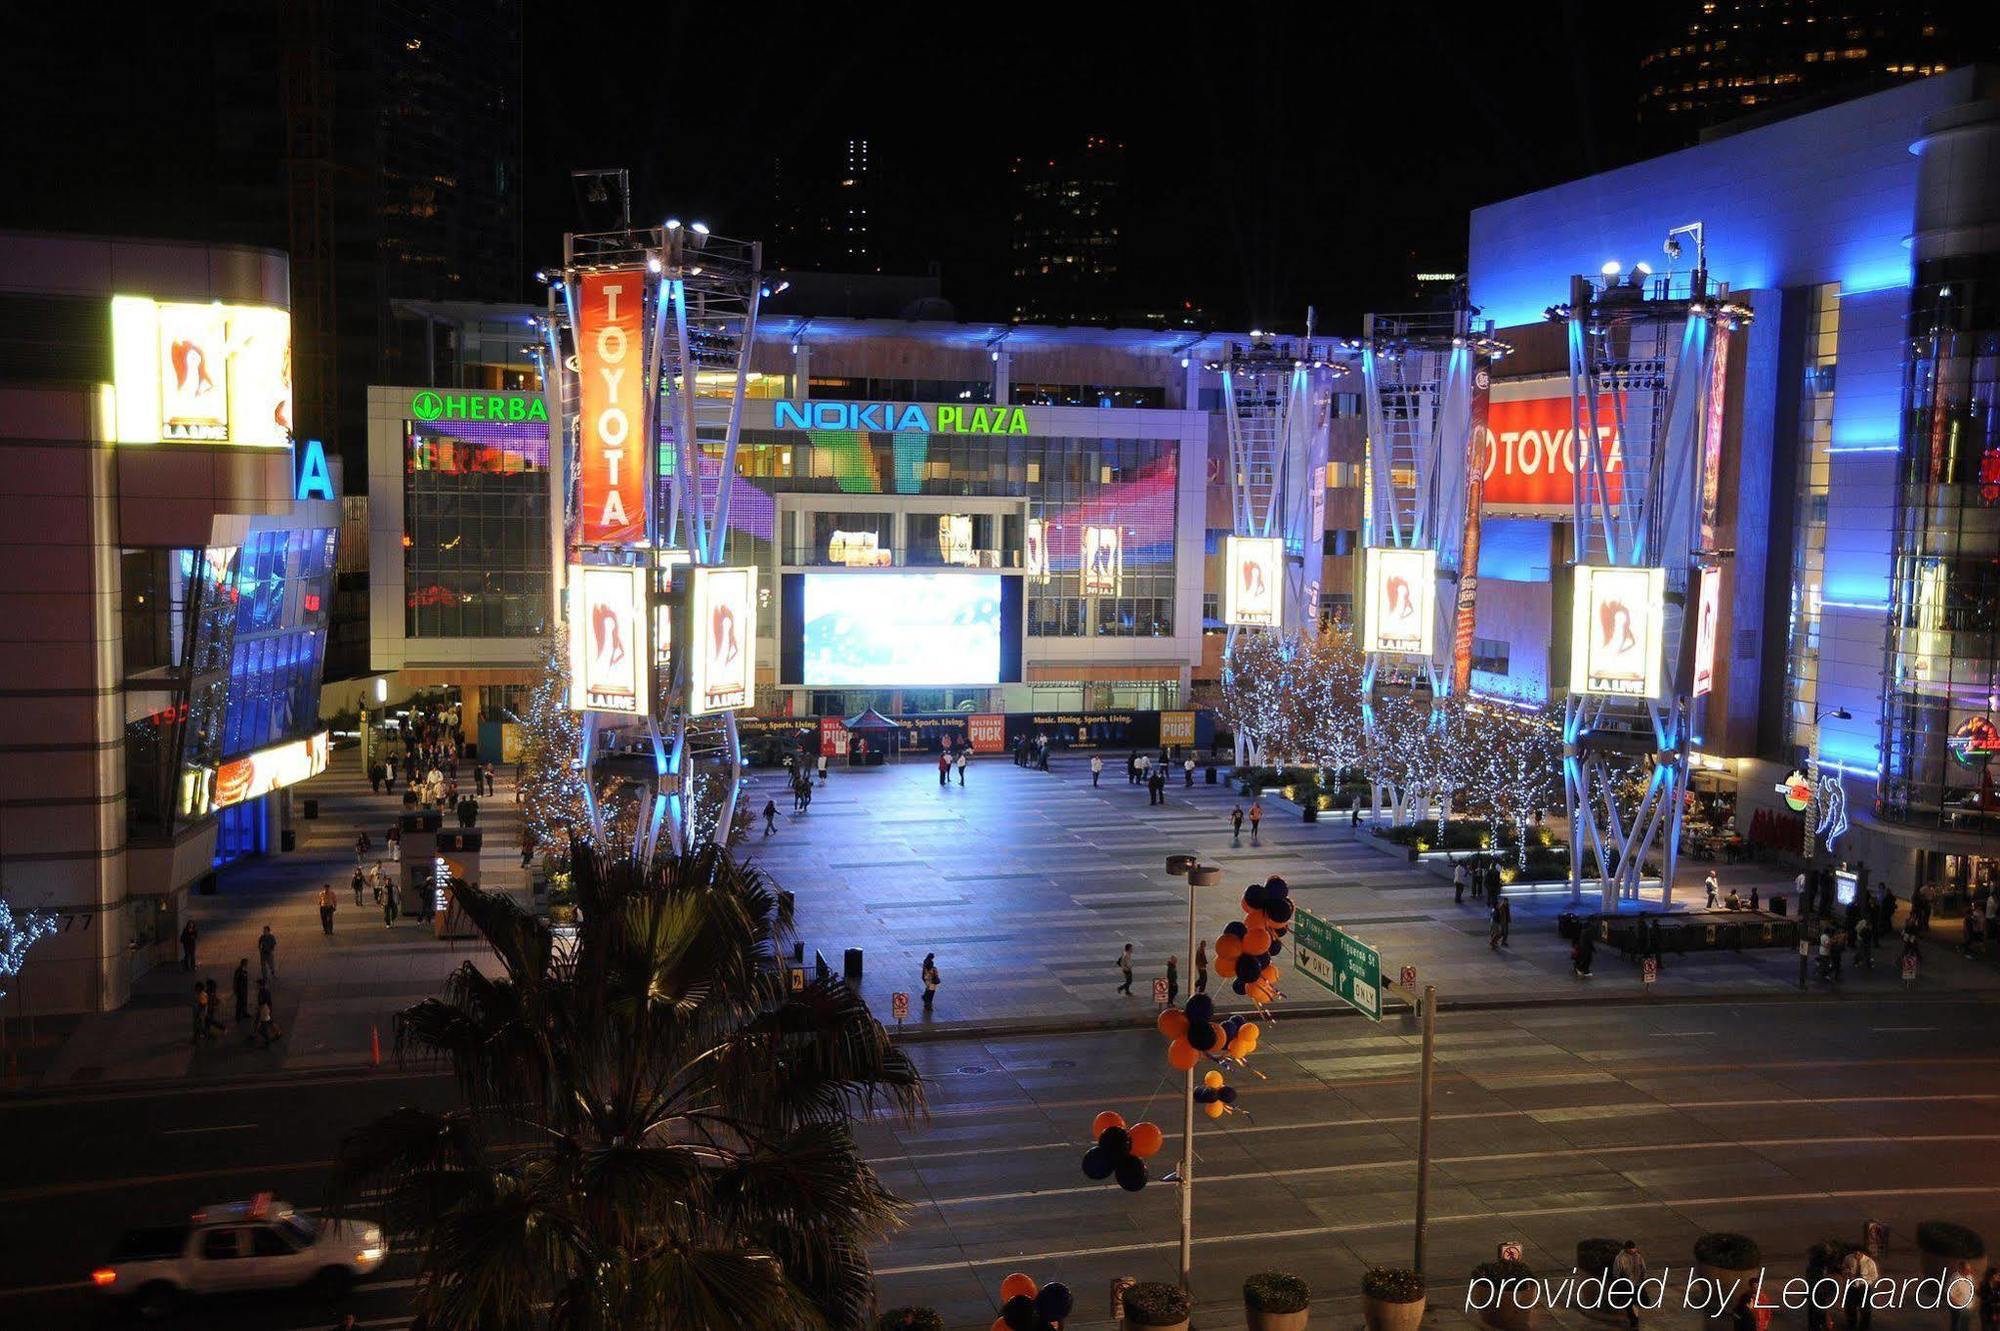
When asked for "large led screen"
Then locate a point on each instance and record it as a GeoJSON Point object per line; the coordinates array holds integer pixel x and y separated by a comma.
{"type": "Point", "coordinates": [901, 630]}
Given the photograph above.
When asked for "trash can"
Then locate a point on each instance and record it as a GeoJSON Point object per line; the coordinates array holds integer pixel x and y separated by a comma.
{"type": "Point", "coordinates": [1777, 905]}
{"type": "Point", "coordinates": [207, 885]}
{"type": "Point", "coordinates": [1211, 775]}
{"type": "Point", "coordinates": [310, 809]}
{"type": "Point", "coordinates": [288, 839]}
{"type": "Point", "coordinates": [850, 966]}
{"type": "Point", "coordinates": [1310, 809]}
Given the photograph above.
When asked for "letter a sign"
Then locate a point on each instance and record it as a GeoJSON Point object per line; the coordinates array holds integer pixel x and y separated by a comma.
{"type": "Point", "coordinates": [615, 453]}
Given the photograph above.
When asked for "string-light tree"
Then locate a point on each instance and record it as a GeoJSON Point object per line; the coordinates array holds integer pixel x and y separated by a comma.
{"type": "Point", "coordinates": [1520, 752]}
{"type": "Point", "coordinates": [1322, 706]}
{"type": "Point", "coordinates": [19, 931]}
{"type": "Point", "coordinates": [1254, 692]}
{"type": "Point", "coordinates": [1392, 759]}
{"type": "Point", "coordinates": [552, 780]}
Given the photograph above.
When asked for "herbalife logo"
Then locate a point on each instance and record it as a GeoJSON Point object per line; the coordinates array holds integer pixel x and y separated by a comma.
{"type": "Point", "coordinates": [433, 406]}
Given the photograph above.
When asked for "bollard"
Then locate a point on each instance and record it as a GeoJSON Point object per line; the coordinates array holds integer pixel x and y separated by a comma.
{"type": "Point", "coordinates": [374, 1046]}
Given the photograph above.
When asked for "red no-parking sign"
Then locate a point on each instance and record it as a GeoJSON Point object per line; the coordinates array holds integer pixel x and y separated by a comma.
{"type": "Point", "coordinates": [1650, 969]}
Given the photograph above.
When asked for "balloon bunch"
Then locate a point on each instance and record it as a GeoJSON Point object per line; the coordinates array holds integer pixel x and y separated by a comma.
{"type": "Point", "coordinates": [1023, 1307]}
{"type": "Point", "coordinates": [1215, 1098]}
{"type": "Point", "coordinates": [1191, 1031]}
{"type": "Point", "coordinates": [1247, 946]}
{"type": "Point", "coordinates": [1121, 1151]}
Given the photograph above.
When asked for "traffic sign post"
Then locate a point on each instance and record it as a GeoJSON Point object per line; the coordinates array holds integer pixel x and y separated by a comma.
{"type": "Point", "coordinates": [899, 1007]}
{"type": "Point", "coordinates": [1339, 961]}
{"type": "Point", "coordinates": [1159, 993]}
{"type": "Point", "coordinates": [1650, 970]}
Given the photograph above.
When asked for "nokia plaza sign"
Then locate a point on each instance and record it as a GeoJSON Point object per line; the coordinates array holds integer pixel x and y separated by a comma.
{"type": "Point", "coordinates": [898, 417]}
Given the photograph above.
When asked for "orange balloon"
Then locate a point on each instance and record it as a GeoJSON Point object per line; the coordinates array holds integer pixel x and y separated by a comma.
{"type": "Point", "coordinates": [1015, 1285]}
{"type": "Point", "coordinates": [1173, 1023]}
{"type": "Point", "coordinates": [1180, 1055]}
{"type": "Point", "coordinates": [1256, 919]}
{"type": "Point", "coordinates": [1211, 1079]}
{"type": "Point", "coordinates": [1257, 942]}
{"type": "Point", "coordinates": [1269, 975]}
{"type": "Point", "coordinates": [1228, 948]}
{"type": "Point", "coordinates": [1248, 1031]}
{"type": "Point", "coordinates": [1146, 1139]}
{"type": "Point", "coordinates": [1110, 1118]}
{"type": "Point", "coordinates": [999, 1324]}
{"type": "Point", "coordinates": [1239, 1049]}
{"type": "Point", "coordinates": [1213, 1108]}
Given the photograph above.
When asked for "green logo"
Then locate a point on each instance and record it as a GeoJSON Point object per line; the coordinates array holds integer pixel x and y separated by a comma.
{"type": "Point", "coordinates": [430, 406]}
{"type": "Point", "coordinates": [427, 406]}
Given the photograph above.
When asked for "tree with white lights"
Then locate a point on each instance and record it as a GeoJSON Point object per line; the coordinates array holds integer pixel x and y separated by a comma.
{"type": "Point", "coordinates": [19, 931]}
{"type": "Point", "coordinates": [552, 777]}
{"type": "Point", "coordinates": [1520, 755]}
{"type": "Point", "coordinates": [1253, 695]}
{"type": "Point", "coordinates": [1322, 706]}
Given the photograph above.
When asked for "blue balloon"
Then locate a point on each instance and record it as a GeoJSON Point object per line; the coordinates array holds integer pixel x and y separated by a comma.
{"type": "Point", "coordinates": [1253, 897]}
{"type": "Point", "coordinates": [1278, 911]}
{"type": "Point", "coordinates": [1097, 1163]}
{"type": "Point", "coordinates": [1232, 1025]}
{"type": "Point", "coordinates": [1236, 928]}
{"type": "Point", "coordinates": [1276, 948]}
{"type": "Point", "coordinates": [1203, 1094]}
{"type": "Point", "coordinates": [1054, 1302]}
{"type": "Point", "coordinates": [1203, 1036]}
{"type": "Point", "coordinates": [1239, 986]}
{"type": "Point", "coordinates": [1277, 889]}
{"type": "Point", "coordinates": [1248, 967]}
{"type": "Point", "coordinates": [1131, 1173]}
{"type": "Point", "coordinates": [1115, 1142]}
{"type": "Point", "coordinates": [1200, 1007]}
{"type": "Point", "coordinates": [1019, 1313]}
{"type": "Point", "coordinates": [1226, 1094]}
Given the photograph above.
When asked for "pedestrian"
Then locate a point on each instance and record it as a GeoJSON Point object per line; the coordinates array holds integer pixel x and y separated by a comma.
{"type": "Point", "coordinates": [1201, 966]}
{"type": "Point", "coordinates": [389, 911]}
{"type": "Point", "coordinates": [822, 769]}
{"type": "Point", "coordinates": [1974, 941]}
{"type": "Point", "coordinates": [1743, 1317]}
{"type": "Point", "coordinates": [375, 777]}
{"type": "Point", "coordinates": [1173, 980]}
{"type": "Point", "coordinates": [1354, 819]}
{"type": "Point", "coordinates": [1753, 896]}
{"type": "Point", "coordinates": [1799, 893]}
{"type": "Point", "coordinates": [212, 1005]}
{"type": "Point", "coordinates": [1493, 928]}
{"type": "Point", "coordinates": [527, 845]}
{"type": "Point", "coordinates": [189, 934]}
{"type": "Point", "coordinates": [1458, 877]}
{"type": "Point", "coordinates": [931, 979]}
{"type": "Point", "coordinates": [944, 768]}
{"type": "Point", "coordinates": [267, 954]}
{"type": "Point", "coordinates": [1584, 950]}
{"type": "Point", "coordinates": [1493, 882]}
{"type": "Point", "coordinates": [770, 816]}
{"type": "Point", "coordinates": [1961, 1296]}
{"type": "Point", "coordinates": [361, 847]}
{"type": "Point", "coordinates": [1236, 823]}
{"type": "Point", "coordinates": [239, 984]}
{"type": "Point", "coordinates": [1708, 886]}
{"type": "Point", "coordinates": [1125, 969]}
{"type": "Point", "coordinates": [1630, 1265]}
{"type": "Point", "coordinates": [359, 881]}
{"type": "Point", "coordinates": [1989, 1301]}
{"type": "Point", "coordinates": [1860, 1274]}
{"type": "Point", "coordinates": [198, 1015]}
{"type": "Point", "coordinates": [962, 764]}
{"type": "Point", "coordinates": [1187, 770]}
{"type": "Point", "coordinates": [326, 904]}
{"type": "Point", "coordinates": [1132, 768]}
{"type": "Point", "coordinates": [1256, 817]}
{"type": "Point", "coordinates": [1145, 768]}
{"type": "Point", "coordinates": [1505, 910]}
{"type": "Point", "coordinates": [266, 1028]}
{"type": "Point", "coordinates": [1864, 940]}
{"type": "Point", "coordinates": [1096, 769]}
{"type": "Point", "coordinates": [395, 840]}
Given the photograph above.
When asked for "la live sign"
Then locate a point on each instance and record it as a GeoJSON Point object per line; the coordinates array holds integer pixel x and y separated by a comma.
{"type": "Point", "coordinates": [1531, 448]}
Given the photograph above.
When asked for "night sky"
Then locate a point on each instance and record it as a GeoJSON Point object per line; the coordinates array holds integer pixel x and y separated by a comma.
{"type": "Point", "coordinates": [1272, 164]}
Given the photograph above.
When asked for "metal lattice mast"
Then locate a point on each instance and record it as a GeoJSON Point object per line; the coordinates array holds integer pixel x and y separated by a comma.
{"type": "Point", "coordinates": [1648, 365]}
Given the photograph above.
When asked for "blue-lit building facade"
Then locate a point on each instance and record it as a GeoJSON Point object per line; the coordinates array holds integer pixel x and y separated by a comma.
{"type": "Point", "coordinates": [1859, 594]}
{"type": "Point", "coordinates": [165, 593]}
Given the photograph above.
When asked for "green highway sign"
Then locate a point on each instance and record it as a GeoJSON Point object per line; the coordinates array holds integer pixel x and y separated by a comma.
{"type": "Point", "coordinates": [1338, 960]}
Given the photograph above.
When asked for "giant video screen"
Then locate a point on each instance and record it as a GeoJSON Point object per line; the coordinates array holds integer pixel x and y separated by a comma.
{"type": "Point", "coordinates": [901, 630]}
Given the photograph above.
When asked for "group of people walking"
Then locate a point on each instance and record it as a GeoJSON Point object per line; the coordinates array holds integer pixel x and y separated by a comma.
{"type": "Point", "coordinates": [206, 1010]}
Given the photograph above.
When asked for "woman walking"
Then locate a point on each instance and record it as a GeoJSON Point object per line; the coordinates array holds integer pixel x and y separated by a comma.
{"type": "Point", "coordinates": [931, 979]}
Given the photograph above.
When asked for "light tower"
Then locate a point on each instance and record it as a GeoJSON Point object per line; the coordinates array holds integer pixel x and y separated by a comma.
{"type": "Point", "coordinates": [648, 340]}
{"type": "Point", "coordinates": [1649, 360]}
{"type": "Point", "coordinates": [1277, 402]}
{"type": "Point", "coordinates": [1426, 377]}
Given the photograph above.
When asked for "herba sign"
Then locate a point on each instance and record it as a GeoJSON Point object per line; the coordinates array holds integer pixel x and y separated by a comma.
{"type": "Point", "coordinates": [898, 417]}
{"type": "Point", "coordinates": [431, 405]}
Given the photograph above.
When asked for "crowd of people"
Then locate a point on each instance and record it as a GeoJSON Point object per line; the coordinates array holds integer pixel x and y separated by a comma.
{"type": "Point", "coordinates": [205, 1011]}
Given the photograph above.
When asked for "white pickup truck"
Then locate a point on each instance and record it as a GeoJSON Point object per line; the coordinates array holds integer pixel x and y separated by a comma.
{"type": "Point", "coordinates": [259, 1244]}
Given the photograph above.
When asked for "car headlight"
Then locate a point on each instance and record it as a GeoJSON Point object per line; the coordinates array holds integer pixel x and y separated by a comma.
{"type": "Point", "coordinates": [373, 1254]}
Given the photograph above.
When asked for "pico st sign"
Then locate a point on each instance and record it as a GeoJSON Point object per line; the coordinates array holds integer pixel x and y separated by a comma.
{"type": "Point", "coordinates": [1338, 961]}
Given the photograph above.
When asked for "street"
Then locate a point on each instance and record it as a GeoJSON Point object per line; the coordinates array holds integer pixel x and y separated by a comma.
{"type": "Point", "coordinates": [1789, 1121]}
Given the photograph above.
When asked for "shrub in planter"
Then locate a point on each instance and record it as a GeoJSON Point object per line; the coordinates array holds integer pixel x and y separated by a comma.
{"type": "Point", "coordinates": [1725, 1254]}
{"type": "Point", "coordinates": [1594, 1256]}
{"type": "Point", "coordinates": [1503, 1312]}
{"type": "Point", "coordinates": [910, 1319]}
{"type": "Point", "coordinates": [1946, 1239]}
{"type": "Point", "coordinates": [1276, 1301]}
{"type": "Point", "coordinates": [1156, 1303]}
{"type": "Point", "coordinates": [1392, 1298]}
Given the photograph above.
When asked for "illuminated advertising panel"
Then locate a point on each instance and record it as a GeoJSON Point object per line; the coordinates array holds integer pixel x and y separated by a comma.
{"type": "Point", "coordinates": [901, 630]}
{"type": "Point", "coordinates": [1399, 600]}
{"type": "Point", "coordinates": [987, 732]}
{"type": "Point", "coordinates": [267, 770]}
{"type": "Point", "coordinates": [607, 639]}
{"type": "Point", "coordinates": [1708, 611]}
{"type": "Point", "coordinates": [1255, 584]}
{"type": "Point", "coordinates": [1103, 561]}
{"type": "Point", "coordinates": [611, 407]}
{"type": "Point", "coordinates": [1035, 555]}
{"type": "Point", "coordinates": [205, 373]}
{"type": "Point", "coordinates": [1531, 452]}
{"type": "Point", "coordinates": [723, 672]}
{"type": "Point", "coordinates": [955, 538]}
{"type": "Point", "coordinates": [1616, 633]}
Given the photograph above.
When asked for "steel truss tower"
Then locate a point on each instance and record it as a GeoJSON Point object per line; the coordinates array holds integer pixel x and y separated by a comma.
{"type": "Point", "coordinates": [1277, 402]}
{"type": "Point", "coordinates": [1426, 378]}
{"type": "Point", "coordinates": [702, 293]}
{"type": "Point", "coordinates": [1648, 365]}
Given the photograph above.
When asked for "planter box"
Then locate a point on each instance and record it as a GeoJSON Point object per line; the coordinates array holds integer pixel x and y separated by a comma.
{"type": "Point", "coordinates": [1263, 1321]}
{"type": "Point", "coordinates": [1131, 1325]}
{"type": "Point", "coordinates": [1727, 1276]}
{"type": "Point", "coordinates": [1506, 1317]}
{"type": "Point", "coordinates": [1381, 1315]}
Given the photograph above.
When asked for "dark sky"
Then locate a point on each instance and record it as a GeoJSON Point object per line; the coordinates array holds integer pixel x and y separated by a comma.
{"type": "Point", "coordinates": [1278, 156]}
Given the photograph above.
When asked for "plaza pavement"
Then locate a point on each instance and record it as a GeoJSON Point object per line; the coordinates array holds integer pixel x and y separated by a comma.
{"type": "Point", "coordinates": [1026, 884]}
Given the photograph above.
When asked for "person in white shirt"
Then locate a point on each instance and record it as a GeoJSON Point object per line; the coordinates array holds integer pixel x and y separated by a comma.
{"type": "Point", "coordinates": [1096, 768]}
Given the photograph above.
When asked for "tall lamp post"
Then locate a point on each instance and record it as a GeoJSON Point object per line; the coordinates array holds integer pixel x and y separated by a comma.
{"type": "Point", "coordinates": [1812, 776]}
{"type": "Point", "coordinates": [1198, 875]}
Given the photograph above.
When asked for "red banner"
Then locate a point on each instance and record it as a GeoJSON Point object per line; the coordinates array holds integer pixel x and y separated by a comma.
{"type": "Point", "coordinates": [987, 731]}
{"type": "Point", "coordinates": [1532, 458]}
{"type": "Point", "coordinates": [832, 737]}
{"type": "Point", "coordinates": [612, 430]}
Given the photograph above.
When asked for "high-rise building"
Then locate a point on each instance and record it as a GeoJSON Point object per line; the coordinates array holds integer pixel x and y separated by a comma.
{"type": "Point", "coordinates": [1724, 59]}
{"type": "Point", "coordinates": [822, 208]}
{"type": "Point", "coordinates": [1068, 234]}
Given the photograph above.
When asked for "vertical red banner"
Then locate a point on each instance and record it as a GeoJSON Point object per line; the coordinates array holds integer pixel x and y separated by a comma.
{"type": "Point", "coordinates": [612, 444]}
{"type": "Point", "coordinates": [1479, 442]}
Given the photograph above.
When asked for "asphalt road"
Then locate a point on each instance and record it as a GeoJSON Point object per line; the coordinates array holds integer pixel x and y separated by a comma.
{"type": "Point", "coordinates": [1790, 1121]}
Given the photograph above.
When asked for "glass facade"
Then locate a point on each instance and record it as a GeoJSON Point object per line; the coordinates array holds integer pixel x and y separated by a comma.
{"type": "Point", "coordinates": [475, 524]}
{"type": "Point", "coordinates": [1942, 694]}
{"type": "Point", "coordinates": [1822, 338]}
{"type": "Point", "coordinates": [282, 585]}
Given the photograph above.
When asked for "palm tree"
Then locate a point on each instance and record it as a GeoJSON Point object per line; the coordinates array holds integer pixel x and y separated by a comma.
{"type": "Point", "coordinates": [655, 1131]}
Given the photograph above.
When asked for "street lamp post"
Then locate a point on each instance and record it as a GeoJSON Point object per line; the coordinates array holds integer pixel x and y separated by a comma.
{"type": "Point", "coordinates": [1198, 875]}
{"type": "Point", "coordinates": [1812, 776]}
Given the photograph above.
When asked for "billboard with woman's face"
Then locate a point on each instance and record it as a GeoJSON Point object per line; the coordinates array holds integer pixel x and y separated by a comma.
{"type": "Point", "coordinates": [723, 671]}
{"type": "Point", "coordinates": [1616, 632]}
{"type": "Point", "coordinates": [1400, 597]}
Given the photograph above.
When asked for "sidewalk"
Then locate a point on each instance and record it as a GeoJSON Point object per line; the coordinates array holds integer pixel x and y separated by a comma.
{"type": "Point", "coordinates": [1026, 884]}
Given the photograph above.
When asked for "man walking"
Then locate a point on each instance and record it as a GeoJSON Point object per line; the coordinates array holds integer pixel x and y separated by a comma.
{"type": "Point", "coordinates": [1256, 818]}
{"type": "Point", "coordinates": [1096, 769]}
{"type": "Point", "coordinates": [1708, 886]}
{"type": "Point", "coordinates": [1201, 966]}
{"type": "Point", "coordinates": [266, 1028]}
{"type": "Point", "coordinates": [1173, 980]}
{"type": "Point", "coordinates": [944, 769]}
{"type": "Point", "coordinates": [1236, 824]}
{"type": "Point", "coordinates": [770, 816]}
{"type": "Point", "coordinates": [326, 904]}
{"type": "Point", "coordinates": [267, 954]}
{"type": "Point", "coordinates": [389, 911]}
{"type": "Point", "coordinates": [1505, 910]}
{"type": "Point", "coordinates": [1458, 876]}
{"type": "Point", "coordinates": [1125, 969]}
{"type": "Point", "coordinates": [1630, 1265]}
{"type": "Point", "coordinates": [1861, 1273]}
{"type": "Point", "coordinates": [359, 882]}
{"type": "Point", "coordinates": [1187, 770]}
{"type": "Point", "coordinates": [961, 768]}
{"type": "Point", "coordinates": [188, 936]}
